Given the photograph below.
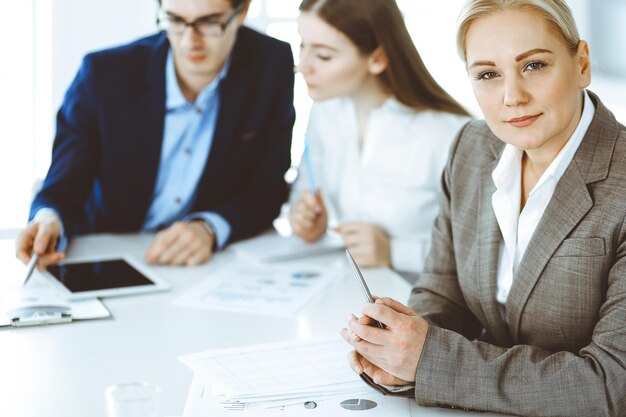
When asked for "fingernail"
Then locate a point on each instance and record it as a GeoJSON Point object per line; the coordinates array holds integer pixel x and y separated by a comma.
{"type": "Point", "coordinates": [359, 370]}
{"type": "Point", "coordinates": [349, 317]}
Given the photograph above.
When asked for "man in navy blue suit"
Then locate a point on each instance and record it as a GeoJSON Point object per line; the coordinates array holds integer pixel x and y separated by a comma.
{"type": "Point", "coordinates": [186, 132]}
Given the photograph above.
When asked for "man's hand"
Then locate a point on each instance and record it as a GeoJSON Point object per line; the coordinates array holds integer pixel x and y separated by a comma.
{"type": "Point", "coordinates": [390, 354]}
{"type": "Point", "coordinates": [40, 237]}
{"type": "Point", "coordinates": [309, 217]}
{"type": "Point", "coordinates": [183, 243]}
{"type": "Point", "coordinates": [368, 244]}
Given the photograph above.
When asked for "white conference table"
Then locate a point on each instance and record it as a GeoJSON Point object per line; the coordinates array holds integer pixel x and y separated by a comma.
{"type": "Point", "coordinates": [63, 370]}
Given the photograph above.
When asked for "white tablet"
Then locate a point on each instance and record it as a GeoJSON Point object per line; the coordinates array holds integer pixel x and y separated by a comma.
{"type": "Point", "coordinates": [102, 277]}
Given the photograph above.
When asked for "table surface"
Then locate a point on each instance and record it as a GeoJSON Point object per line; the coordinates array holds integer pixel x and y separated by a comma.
{"type": "Point", "coordinates": [63, 370]}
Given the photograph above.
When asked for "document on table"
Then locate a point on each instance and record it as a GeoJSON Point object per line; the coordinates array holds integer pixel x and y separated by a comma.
{"type": "Point", "coordinates": [276, 248]}
{"type": "Point", "coordinates": [278, 371]}
{"type": "Point", "coordinates": [38, 297]}
{"type": "Point", "coordinates": [279, 290]}
{"type": "Point", "coordinates": [202, 402]}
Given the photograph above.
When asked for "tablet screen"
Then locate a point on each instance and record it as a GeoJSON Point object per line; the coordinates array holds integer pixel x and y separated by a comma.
{"type": "Point", "coordinates": [101, 275]}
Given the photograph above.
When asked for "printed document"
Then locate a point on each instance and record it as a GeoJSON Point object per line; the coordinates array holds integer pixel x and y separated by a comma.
{"type": "Point", "coordinates": [278, 290]}
{"type": "Point", "coordinates": [202, 402]}
{"type": "Point", "coordinates": [278, 371]}
{"type": "Point", "coordinates": [39, 295]}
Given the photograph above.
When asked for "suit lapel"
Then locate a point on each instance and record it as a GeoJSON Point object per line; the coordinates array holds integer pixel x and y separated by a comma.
{"type": "Point", "coordinates": [150, 123]}
{"type": "Point", "coordinates": [569, 204]}
{"type": "Point", "coordinates": [232, 96]}
{"type": "Point", "coordinates": [489, 238]}
{"type": "Point", "coordinates": [232, 103]}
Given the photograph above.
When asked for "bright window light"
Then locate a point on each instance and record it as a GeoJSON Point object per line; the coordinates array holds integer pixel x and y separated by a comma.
{"type": "Point", "coordinates": [16, 114]}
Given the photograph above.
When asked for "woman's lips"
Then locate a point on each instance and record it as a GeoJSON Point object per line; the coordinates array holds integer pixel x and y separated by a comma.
{"type": "Point", "coordinates": [524, 120]}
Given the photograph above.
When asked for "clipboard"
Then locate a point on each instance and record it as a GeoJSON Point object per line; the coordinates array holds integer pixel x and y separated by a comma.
{"type": "Point", "coordinates": [39, 315]}
{"type": "Point", "coordinates": [42, 306]}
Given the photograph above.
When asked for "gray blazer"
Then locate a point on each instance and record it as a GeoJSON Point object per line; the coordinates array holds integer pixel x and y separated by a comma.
{"type": "Point", "coordinates": [562, 349]}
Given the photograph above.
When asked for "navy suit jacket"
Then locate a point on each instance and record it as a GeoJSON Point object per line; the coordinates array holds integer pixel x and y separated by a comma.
{"type": "Point", "coordinates": [110, 130]}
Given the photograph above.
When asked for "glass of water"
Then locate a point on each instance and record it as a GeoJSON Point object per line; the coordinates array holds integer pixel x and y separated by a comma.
{"type": "Point", "coordinates": [133, 399]}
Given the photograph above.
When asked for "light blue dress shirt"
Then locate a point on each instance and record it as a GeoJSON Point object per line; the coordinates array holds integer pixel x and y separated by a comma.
{"type": "Point", "coordinates": [187, 138]}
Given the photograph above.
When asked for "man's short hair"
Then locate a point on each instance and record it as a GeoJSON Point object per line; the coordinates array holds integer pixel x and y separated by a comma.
{"type": "Point", "coordinates": [234, 3]}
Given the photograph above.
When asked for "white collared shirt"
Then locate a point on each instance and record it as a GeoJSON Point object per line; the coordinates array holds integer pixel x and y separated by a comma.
{"type": "Point", "coordinates": [518, 228]}
{"type": "Point", "coordinates": [392, 180]}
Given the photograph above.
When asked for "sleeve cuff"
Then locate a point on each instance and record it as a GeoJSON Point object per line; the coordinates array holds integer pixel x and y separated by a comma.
{"type": "Point", "coordinates": [218, 224]}
{"type": "Point", "coordinates": [407, 391]}
{"type": "Point", "coordinates": [47, 214]}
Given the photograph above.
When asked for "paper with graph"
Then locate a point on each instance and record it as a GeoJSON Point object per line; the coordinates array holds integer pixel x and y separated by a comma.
{"type": "Point", "coordinates": [278, 290]}
{"type": "Point", "coordinates": [278, 371]}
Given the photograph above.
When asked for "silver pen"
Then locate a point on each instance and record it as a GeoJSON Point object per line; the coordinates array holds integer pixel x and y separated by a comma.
{"type": "Point", "coordinates": [364, 289]}
{"type": "Point", "coordinates": [31, 267]}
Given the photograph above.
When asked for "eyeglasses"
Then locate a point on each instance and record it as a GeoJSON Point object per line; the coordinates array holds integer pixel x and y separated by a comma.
{"type": "Point", "coordinates": [204, 26]}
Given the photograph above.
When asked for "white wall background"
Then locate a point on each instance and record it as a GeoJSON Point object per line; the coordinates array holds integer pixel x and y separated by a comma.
{"type": "Point", "coordinates": [45, 41]}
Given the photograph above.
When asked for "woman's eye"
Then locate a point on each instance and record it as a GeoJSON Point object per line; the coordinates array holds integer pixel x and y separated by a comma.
{"type": "Point", "coordinates": [324, 57]}
{"type": "Point", "coordinates": [535, 65]}
{"type": "Point", "coordinates": [486, 75]}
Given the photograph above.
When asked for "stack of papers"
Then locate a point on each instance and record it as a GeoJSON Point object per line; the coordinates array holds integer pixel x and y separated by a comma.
{"type": "Point", "coordinates": [278, 374]}
{"type": "Point", "coordinates": [202, 402]}
{"type": "Point", "coordinates": [278, 290]}
{"type": "Point", "coordinates": [276, 248]}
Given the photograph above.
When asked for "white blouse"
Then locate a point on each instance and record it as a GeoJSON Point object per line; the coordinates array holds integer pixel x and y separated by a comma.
{"type": "Point", "coordinates": [518, 228]}
{"type": "Point", "coordinates": [393, 181]}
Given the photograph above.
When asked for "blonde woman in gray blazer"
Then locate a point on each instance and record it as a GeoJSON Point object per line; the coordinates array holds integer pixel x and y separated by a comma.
{"type": "Point", "coordinates": [521, 308]}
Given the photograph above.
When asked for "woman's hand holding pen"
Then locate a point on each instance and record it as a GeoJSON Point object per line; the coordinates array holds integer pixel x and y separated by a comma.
{"type": "Point", "coordinates": [309, 217]}
{"type": "Point", "coordinates": [389, 356]}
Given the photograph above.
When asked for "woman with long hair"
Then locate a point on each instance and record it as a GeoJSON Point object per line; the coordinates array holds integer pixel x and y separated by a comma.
{"type": "Point", "coordinates": [378, 134]}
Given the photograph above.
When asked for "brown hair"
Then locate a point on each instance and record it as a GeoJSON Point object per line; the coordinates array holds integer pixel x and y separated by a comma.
{"type": "Point", "coordinates": [234, 3]}
{"type": "Point", "coordinates": [556, 13]}
{"type": "Point", "coordinates": [370, 24]}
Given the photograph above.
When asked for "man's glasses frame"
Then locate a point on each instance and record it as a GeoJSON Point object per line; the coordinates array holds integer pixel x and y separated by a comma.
{"type": "Point", "coordinates": [209, 28]}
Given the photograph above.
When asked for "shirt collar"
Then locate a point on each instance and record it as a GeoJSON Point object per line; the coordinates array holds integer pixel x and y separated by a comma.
{"type": "Point", "coordinates": [174, 97]}
{"type": "Point", "coordinates": [506, 173]}
{"type": "Point", "coordinates": [566, 155]}
{"type": "Point", "coordinates": [393, 105]}
{"type": "Point", "coordinates": [510, 162]}
{"type": "Point", "coordinates": [390, 105]}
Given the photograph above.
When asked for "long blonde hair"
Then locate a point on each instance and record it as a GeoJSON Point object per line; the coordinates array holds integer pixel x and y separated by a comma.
{"type": "Point", "coordinates": [556, 13]}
